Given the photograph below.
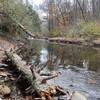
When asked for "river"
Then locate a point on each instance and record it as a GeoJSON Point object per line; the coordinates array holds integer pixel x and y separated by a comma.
{"type": "Point", "coordinates": [79, 66]}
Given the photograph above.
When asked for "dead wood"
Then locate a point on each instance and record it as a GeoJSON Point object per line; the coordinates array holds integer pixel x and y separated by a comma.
{"type": "Point", "coordinates": [39, 83]}
{"type": "Point", "coordinates": [5, 65]}
{"type": "Point", "coordinates": [25, 30]}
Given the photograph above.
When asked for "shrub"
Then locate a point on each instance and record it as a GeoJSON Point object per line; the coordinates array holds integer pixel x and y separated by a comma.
{"type": "Point", "coordinates": [90, 28]}
{"type": "Point", "coordinates": [55, 33]}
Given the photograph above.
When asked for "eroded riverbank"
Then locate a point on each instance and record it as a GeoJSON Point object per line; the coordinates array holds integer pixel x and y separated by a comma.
{"type": "Point", "coordinates": [9, 82]}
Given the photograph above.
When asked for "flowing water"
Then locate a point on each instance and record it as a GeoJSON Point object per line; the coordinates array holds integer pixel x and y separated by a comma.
{"type": "Point", "coordinates": [79, 66]}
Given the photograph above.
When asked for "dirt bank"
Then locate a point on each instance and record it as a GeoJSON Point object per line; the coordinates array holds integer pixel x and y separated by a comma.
{"type": "Point", "coordinates": [9, 89]}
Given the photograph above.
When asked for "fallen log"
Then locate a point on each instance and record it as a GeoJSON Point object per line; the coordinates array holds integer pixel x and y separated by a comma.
{"type": "Point", "coordinates": [38, 83]}
{"type": "Point", "coordinates": [25, 30]}
{"type": "Point", "coordinates": [64, 40]}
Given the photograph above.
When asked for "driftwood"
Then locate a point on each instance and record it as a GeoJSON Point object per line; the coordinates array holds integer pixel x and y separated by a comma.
{"type": "Point", "coordinates": [38, 83]}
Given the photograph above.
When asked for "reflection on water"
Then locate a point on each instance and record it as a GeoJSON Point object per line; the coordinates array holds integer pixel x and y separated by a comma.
{"type": "Point", "coordinates": [65, 55]}
{"type": "Point", "coordinates": [85, 64]}
{"type": "Point", "coordinates": [80, 66]}
{"type": "Point", "coordinates": [43, 55]}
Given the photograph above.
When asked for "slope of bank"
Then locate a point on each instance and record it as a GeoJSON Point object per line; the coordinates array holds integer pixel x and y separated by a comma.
{"type": "Point", "coordinates": [8, 85]}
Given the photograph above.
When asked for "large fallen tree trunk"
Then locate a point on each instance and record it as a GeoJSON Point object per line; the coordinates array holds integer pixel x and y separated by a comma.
{"type": "Point", "coordinates": [25, 30]}
{"type": "Point", "coordinates": [38, 83]}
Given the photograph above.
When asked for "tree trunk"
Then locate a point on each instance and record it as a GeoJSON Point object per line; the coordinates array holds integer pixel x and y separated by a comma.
{"type": "Point", "coordinates": [39, 83]}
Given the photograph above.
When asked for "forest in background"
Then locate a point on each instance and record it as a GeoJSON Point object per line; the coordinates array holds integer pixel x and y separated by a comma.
{"type": "Point", "coordinates": [64, 18]}
{"type": "Point", "coordinates": [72, 18]}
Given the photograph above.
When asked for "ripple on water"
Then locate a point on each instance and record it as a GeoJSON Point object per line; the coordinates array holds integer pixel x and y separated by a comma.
{"type": "Point", "coordinates": [76, 81]}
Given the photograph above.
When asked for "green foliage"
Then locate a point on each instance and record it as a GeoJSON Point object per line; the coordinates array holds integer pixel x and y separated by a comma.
{"type": "Point", "coordinates": [22, 12]}
{"type": "Point", "coordinates": [55, 33]}
{"type": "Point", "coordinates": [72, 31]}
{"type": "Point", "coordinates": [90, 28]}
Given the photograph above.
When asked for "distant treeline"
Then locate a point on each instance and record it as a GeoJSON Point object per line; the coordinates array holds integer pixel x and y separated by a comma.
{"type": "Point", "coordinates": [65, 13]}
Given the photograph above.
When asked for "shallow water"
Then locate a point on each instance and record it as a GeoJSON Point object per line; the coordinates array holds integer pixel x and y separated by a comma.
{"type": "Point", "coordinates": [79, 66]}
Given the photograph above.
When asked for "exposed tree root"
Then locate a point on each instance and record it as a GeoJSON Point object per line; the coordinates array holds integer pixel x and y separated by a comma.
{"type": "Point", "coordinates": [38, 82]}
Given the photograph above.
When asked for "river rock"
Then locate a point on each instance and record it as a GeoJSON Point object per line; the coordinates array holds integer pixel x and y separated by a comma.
{"type": "Point", "coordinates": [78, 96]}
{"type": "Point", "coordinates": [4, 90]}
{"type": "Point", "coordinates": [1, 99]}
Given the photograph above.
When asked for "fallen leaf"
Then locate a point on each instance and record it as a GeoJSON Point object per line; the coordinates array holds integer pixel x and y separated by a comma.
{"type": "Point", "coordinates": [4, 90]}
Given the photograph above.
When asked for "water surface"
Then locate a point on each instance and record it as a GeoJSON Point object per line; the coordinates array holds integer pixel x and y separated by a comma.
{"type": "Point", "coordinates": [79, 66]}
